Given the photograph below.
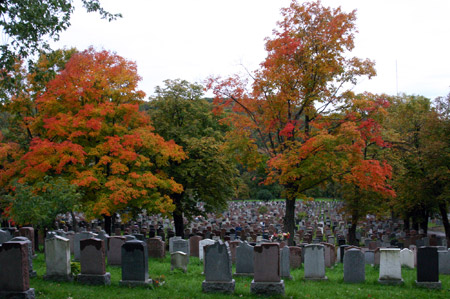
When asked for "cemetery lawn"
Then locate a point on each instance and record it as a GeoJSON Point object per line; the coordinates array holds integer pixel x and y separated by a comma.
{"type": "Point", "coordinates": [189, 285]}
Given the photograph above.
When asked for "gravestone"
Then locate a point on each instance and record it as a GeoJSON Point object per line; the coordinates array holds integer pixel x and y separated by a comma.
{"type": "Point", "coordinates": [330, 257]}
{"type": "Point", "coordinates": [70, 235]}
{"type": "Point", "coordinates": [114, 251]}
{"type": "Point", "coordinates": [233, 245]}
{"type": "Point", "coordinates": [30, 253]}
{"type": "Point", "coordinates": [295, 257]}
{"type": "Point", "coordinates": [217, 269]}
{"type": "Point", "coordinates": [5, 236]}
{"type": "Point", "coordinates": [369, 257]}
{"type": "Point", "coordinates": [180, 245]}
{"type": "Point", "coordinates": [407, 258]}
{"type": "Point", "coordinates": [444, 261]}
{"type": "Point", "coordinates": [156, 248]}
{"type": "Point", "coordinates": [285, 271]}
{"type": "Point", "coordinates": [267, 279]}
{"type": "Point", "coordinates": [194, 245]}
{"type": "Point", "coordinates": [28, 232]}
{"type": "Point", "coordinates": [57, 259]}
{"type": "Point", "coordinates": [76, 243]}
{"type": "Point", "coordinates": [179, 260]}
{"type": "Point", "coordinates": [171, 242]}
{"type": "Point", "coordinates": [314, 262]}
{"type": "Point", "coordinates": [134, 264]}
{"type": "Point", "coordinates": [14, 276]}
{"type": "Point", "coordinates": [201, 245]}
{"type": "Point", "coordinates": [390, 266]}
{"type": "Point", "coordinates": [428, 268]}
{"type": "Point", "coordinates": [102, 235]}
{"type": "Point", "coordinates": [244, 260]}
{"type": "Point", "coordinates": [92, 260]}
{"type": "Point", "coordinates": [354, 266]}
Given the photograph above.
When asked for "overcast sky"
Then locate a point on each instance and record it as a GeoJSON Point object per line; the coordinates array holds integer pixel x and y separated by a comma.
{"type": "Point", "coordinates": [193, 39]}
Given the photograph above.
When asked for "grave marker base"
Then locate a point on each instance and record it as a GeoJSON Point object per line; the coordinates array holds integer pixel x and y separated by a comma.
{"type": "Point", "coordinates": [316, 278]}
{"type": "Point", "coordinates": [67, 277]}
{"type": "Point", "coordinates": [267, 288]}
{"type": "Point", "coordinates": [135, 283]}
{"type": "Point", "coordinates": [429, 284]}
{"type": "Point", "coordinates": [243, 274]}
{"type": "Point", "coordinates": [391, 281]}
{"type": "Point", "coordinates": [29, 294]}
{"type": "Point", "coordinates": [94, 279]}
{"type": "Point", "coordinates": [218, 286]}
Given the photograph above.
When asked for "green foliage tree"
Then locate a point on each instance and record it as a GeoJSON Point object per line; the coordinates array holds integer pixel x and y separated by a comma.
{"type": "Point", "coordinates": [28, 25]}
{"type": "Point", "coordinates": [420, 136]}
{"type": "Point", "coordinates": [39, 204]}
{"type": "Point", "coordinates": [179, 113]}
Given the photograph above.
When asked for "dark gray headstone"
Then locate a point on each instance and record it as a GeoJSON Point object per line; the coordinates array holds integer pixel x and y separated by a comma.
{"type": "Point", "coordinates": [218, 277]}
{"type": "Point", "coordinates": [244, 259]}
{"type": "Point", "coordinates": [354, 266]}
{"type": "Point", "coordinates": [285, 270]}
{"type": "Point", "coordinates": [428, 268]}
{"type": "Point", "coordinates": [134, 263]}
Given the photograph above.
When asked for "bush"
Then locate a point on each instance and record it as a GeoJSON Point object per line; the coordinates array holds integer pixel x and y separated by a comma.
{"type": "Point", "coordinates": [264, 195]}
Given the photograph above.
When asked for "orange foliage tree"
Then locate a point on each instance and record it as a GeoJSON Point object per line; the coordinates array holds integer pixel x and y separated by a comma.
{"type": "Point", "coordinates": [88, 129]}
{"type": "Point", "coordinates": [296, 117]}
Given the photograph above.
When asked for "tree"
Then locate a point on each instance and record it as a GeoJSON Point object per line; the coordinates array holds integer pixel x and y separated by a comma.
{"type": "Point", "coordinates": [27, 25]}
{"type": "Point", "coordinates": [421, 163]}
{"type": "Point", "coordinates": [179, 113]}
{"type": "Point", "coordinates": [88, 130]}
{"type": "Point", "coordinates": [291, 119]}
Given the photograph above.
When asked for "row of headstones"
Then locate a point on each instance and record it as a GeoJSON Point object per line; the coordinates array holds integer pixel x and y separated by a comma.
{"type": "Point", "coordinates": [268, 261]}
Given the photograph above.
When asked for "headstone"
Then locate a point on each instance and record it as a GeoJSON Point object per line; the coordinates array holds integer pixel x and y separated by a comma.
{"type": "Point", "coordinates": [284, 263]}
{"type": "Point", "coordinates": [194, 245]}
{"type": "Point", "coordinates": [102, 235]}
{"type": "Point", "coordinates": [407, 258]}
{"type": "Point", "coordinates": [244, 260]}
{"type": "Point", "coordinates": [5, 236]}
{"type": "Point", "coordinates": [57, 259]}
{"type": "Point", "coordinates": [428, 268]}
{"type": "Point", "coordinates": [295, 257]}
{"type": "Point", "coordinates": [92, 260]}
{"type": "Point", "coordinates": [134, 264]}
{"type": "Point", "coordinates": [114, 251]}
{"type": "Point", "coordinates": [30, 253]}
{"type": "Point", "coordinates": [218, 277]}
{"type": "Point", "coordinates": [354, 266]}
{"type": "Point", "coordinates": [28, 232]}
{"type": "Point", "coordinates": [201, 245]}
{"type": "Point", "coordinates": [181, 245]}
{"type": "Point", "coordinates": [233, 245]}
{"type": "Point", "coordinates": [314, 262]}
{"type": "Point", "coordinates": [369, 257]}
{"type": "Point", "coordinates": [444, 262]}
{"type": "Point", "coordinates": [171, 242]}
{"type": "Point", "coordinates": [14, 276]}
{"type": "Point", "coordinates": [390, 266]}
{"type": "Point", "coordinates": [267, 279]}
{"type": "Point", "coordinates": [330, 257]}
{"type": "Point", "coordinates": [156, 248]}
{"type": "Point", "coordinates": [179, 260]}
{"type": "Point", "coordinates": [76, 243]}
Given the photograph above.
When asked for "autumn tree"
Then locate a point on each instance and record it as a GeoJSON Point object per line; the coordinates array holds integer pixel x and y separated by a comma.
{"type": "Point", "coordinates": [27, 27]}
{"type": "Point", "coordinates": [179, 113]}
{"type": "Point", "coordinates": [88, 130]}
{"type": "Point", "coordinates": [293, 118]}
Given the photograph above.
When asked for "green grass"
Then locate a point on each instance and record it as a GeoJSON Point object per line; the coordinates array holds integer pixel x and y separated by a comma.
{"type": "Point", "coordinates": [188, 285]}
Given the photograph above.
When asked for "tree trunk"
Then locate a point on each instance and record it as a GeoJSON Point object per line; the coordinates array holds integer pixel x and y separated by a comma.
{"type": "Point", "coordinates": [178, 216]}
{"type": "Point", "coordinates": [443, 209]}
{"type": "Point", "coordinates": [74, 221]}
{"type": "Point", "coordinates": [424, 221]}
{"type": "Point", "coordinates": [289, 218]}
{"type": "Point", "coordinates": [352, 230]}
{"type": "Point", "coordinates": [107, 224]}
{"type": "Point", "coordinates": [36, 239]}
{"type": "Point", "coordinates": [406, 226]}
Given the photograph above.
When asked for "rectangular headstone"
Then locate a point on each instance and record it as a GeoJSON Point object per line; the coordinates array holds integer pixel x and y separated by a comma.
{"type": "Point", "coordinates": [314, 262]}
{"type": "Point", "coordinates": [428, 268]}
{"type": "Point", "coordinates": [134, 263]}
{"type": "Point", "coordinates": [244, 259]}
{"type": "Point", "coordinates": [14, 276]}
{"type": "Point", "coordinates": [57, 259]}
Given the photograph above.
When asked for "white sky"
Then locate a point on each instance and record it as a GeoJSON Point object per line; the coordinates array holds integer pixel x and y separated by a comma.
{"type": "Point", "coordinates": [193, 39]}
